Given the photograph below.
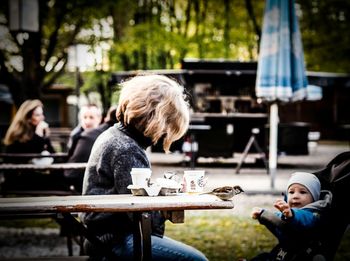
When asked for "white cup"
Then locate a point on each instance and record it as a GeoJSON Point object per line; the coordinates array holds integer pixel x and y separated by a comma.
{"type": "Point", "coordinates": [140, 176]}
{"type": "Point", "coordinates": [193, 181]}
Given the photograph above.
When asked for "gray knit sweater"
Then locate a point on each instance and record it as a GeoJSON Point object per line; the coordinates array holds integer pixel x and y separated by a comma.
{"type": "Point", "coordinates": [114, 153]}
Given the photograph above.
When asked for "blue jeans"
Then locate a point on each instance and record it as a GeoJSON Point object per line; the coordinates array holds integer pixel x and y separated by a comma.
{"type": "Point", "coordinates": [162, 249]}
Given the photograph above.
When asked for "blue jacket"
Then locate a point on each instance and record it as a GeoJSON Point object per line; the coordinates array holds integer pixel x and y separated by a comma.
{"type": "Point", "coordinates": [303, 227]}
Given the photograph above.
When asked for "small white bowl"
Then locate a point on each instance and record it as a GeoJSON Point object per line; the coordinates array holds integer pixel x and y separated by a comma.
{"type": "Point", "coordinates": [43, 161]}
{"type": "Point", "coordinates": [169, 191]}
{"type": "Point", "coordinates": [153, 191]}
{"type": "Point", "coordinates": [137, 191]}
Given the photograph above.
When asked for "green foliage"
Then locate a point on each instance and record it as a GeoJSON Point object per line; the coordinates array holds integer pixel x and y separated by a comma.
{"type": "Point", "coordinates": [158, 35]}
{"type": "Point", "coordinates": [142, 48]}
{"type": "Point", "coordinates": [168, 33]}
{"type": "Point", "coordinates": [31, 62]}
{"type": "Point", "coordinates": [31, 222]}
{"type": "Point", "coordinates": [68, 79]}
{"type": "Point", "coordinates": [93, 79]}
{"type": "Point", "coordinates": [324, 25]}
{"type": "Point", "coordinates": [222, 237]}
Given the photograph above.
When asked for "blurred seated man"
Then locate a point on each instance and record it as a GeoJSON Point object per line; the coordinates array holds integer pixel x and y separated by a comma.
{"type": "Point", "coordinates": [83, 148]}
{"type": "Point", "coordinates": [90, 117]}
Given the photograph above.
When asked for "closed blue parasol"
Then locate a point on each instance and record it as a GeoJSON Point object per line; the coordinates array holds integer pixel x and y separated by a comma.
{"type": "Point", "coordinates": [281, 72]}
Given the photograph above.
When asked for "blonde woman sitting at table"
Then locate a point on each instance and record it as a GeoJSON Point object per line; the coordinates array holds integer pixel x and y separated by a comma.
{"type": "Point", "coordinates": [151, 108]}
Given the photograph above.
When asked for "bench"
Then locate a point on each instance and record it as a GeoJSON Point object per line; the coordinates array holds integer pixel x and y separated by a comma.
{"type": "Point", "coordinates": [26, 158]}
{"type": "Point", "coordinates": [14, 169]}
{"type": "Point", "coordinates": [12, 173]}
{"type": "Point", "coordinates": [58, 258]}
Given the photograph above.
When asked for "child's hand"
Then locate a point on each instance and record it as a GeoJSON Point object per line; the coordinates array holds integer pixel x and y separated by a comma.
{"type": "Point", "coordinates": [283, 206]}
{"type": "Point", "coordinates": [256, 212]}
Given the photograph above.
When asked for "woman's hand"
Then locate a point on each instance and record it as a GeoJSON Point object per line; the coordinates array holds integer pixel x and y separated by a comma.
{"type": "Point", "coordinates": [256, 212]}
{"type": "Point", "coordinates": [42, 129]}
{"type": "Point", "coordinates": [283, 206]}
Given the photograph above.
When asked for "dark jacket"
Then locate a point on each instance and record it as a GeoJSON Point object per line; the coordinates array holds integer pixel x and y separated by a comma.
{"type": "Point", "coordinates": [35, 145]}
{"type": "Point", "coordinates": [31, 179]}
{"type": "Point", "coordinates": [82, 149]}
{"type": "Point", "coordinates": [114, 153]}
{"type": "Point", "coordinates": [296, 234]}
{"type": "Point", "coordinates": [85, 142]}
{"type": "Point", "coordinates": [73, 139]}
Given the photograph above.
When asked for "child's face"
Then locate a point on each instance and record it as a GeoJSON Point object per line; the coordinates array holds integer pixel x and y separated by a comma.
{"type": "Point", "coordinates": [298, 196]}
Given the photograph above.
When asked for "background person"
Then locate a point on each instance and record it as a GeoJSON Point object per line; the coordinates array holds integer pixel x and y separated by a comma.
{"type": "Point", "coordinates": [90, 116]}
{"type": "Point", "coordinates": [151, 108]}
{"type": "Point", "coordinates": [83, 148]}
{"type": "Point", "coordinates": [28, 132]}
{"type": "Point", "coordinates": [298, 222]}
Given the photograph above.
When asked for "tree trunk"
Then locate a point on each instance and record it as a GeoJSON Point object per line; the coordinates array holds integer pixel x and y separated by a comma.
{"type": "Point", "coordinates": [227, 28]}
{"type": "Point", "coordinates": [252, 16]}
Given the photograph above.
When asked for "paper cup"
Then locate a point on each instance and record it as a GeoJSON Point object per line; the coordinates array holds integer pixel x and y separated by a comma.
{"type": "Point", "coordinates": [140, 176]}
{"type": "Point", "coordinates": [193, 181]}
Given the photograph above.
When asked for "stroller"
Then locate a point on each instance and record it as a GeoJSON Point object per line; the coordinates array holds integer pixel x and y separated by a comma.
{"type": "Point", "coordinates": [335, 177]}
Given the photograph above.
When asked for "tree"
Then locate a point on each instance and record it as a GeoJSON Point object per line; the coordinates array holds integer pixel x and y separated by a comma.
{"type": "Point", "coordinates": [324, 25]}
{"type": "Point", "coordinates": [159, 34]}
{"type": "Point", "coordinates": [30, 62]}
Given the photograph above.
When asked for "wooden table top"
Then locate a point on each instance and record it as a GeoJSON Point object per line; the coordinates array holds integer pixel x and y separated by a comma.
{"type": "Point", "coordinates": [34, 155]}
{"type": "Point", "coordinates": [54, 166]}
{"type": "Point", "coordinates": [110, 203]}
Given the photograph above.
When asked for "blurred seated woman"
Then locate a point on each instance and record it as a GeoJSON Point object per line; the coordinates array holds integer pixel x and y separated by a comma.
{"type": "Point", "coordinates": [28, 132]}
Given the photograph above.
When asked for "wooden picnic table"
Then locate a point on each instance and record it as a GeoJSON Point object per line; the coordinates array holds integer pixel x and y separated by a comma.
{"type": "Point", "coordinates": [12, 171]}
{"type": "Point", "coordinates": [54, 166]}
{"type": "Point", "coordinates": [58, 157]}
{"type": "Point", "coordinates": [172, 206]}
{"type": "Point", "coordinates": [34, 155]}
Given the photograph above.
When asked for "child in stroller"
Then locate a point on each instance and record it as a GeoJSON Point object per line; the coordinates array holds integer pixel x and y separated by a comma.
{"type": "Point", "coordinates": [298, 221]}
{"type": "Point", "coordinates": [322, 243]}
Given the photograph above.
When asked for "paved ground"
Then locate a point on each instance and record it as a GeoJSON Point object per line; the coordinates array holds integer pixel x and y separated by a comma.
{"type": "Point", "coordinates": [252, 178]}
{"type": "Point", "coordinates": [15, 242]}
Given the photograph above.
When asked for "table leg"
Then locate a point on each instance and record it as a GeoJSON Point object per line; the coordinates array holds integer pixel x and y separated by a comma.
{"type": "Point", "coordinates": [70, 245]}
{"type": "Point", "coordinates": [137, 236]}
{"type": "Point", "coordinates": [142, 236]}
{"type": "Point", "coordinates": [146, 228]}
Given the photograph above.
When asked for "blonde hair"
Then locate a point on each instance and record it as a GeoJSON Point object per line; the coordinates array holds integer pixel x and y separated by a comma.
{"type": "Point", "coordinates": [21, 129]}
{"type": "Point", "coordinates": [155, 105]}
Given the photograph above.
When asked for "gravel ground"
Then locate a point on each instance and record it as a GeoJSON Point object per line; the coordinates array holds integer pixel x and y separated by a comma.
{"type": "Point", "coordinates": [32, 242]}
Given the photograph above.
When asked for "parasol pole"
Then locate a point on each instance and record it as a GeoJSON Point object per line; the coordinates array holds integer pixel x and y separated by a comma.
{"type": "Point", "coordinates": [273, 142]}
